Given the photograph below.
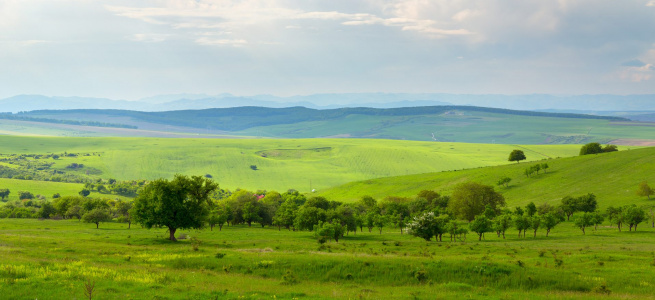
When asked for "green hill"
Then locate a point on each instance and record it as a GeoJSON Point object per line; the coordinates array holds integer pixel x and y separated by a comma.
{"type": "Point", "coordinates": [302, 164]}
{"type": "Point", "coordinates": [465, 124]}
{"type": "Point", "coordinates": [612, 177]}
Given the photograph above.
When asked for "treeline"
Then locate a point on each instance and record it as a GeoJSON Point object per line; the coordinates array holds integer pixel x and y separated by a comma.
{"type": "Point", "coordinates": [20, 117]}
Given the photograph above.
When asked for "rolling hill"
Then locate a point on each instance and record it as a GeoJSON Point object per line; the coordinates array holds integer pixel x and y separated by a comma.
{"type": "Point", "coordinates": [302, 164]}
{"type": "Point", "coordinates": [612, 177]}
{"type": "Point", "coordinates": [434, 123]}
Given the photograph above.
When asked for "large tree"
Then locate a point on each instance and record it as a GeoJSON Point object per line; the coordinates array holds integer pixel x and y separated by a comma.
{"type": "Point", "coordinates": [517, 155]}
{"type": "Point", "coordinates": [470, 199]}
{"type": "Point", "coordinates": [4, 193]}
{"type": "Point", "coordinates": [180, 203]}
{"type": "Point", "coordinates": [96, 216]}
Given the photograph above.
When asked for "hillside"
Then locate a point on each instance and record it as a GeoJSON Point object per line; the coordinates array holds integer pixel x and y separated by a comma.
{"type": "Point", "coordinates": [435, 123]}
{"type": "Point", "coordinates": [613, 177]}
{"type": "Point", "coordinates": [280, 164]}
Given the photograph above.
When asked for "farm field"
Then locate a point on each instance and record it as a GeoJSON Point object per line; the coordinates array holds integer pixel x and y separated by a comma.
{"type": "Point", "coordinates": [302, 164]}
{"type": "Point", "coordinates": [53, 259]}
{"type": "Point", "coordinates": [612, 177]}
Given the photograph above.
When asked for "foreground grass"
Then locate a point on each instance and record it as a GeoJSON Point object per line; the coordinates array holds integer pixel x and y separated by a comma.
{"type": "Point", "coordinates": [51, 260]}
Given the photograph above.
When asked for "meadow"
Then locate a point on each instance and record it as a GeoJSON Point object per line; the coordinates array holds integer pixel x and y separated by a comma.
{"type": "Point", "coordinates": [48, 259]}
{"type": "Point", "coordinates": [303, 164]}
{"type": "Point", "coordinates": [612, 177]}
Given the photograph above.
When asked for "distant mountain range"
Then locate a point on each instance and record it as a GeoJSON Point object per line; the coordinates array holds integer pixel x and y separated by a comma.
{"type": "Point", "coordinates": [614, 105]}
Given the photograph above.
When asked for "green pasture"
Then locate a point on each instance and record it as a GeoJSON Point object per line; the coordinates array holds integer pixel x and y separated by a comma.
{"type": "Point", "coordinates": [281, 163]}
{"type": "Point", "coordinates": [465, 127]}
{"type": "Point", "coordinates": [612, 177]}
{"type": "Point", "coordinates": [45, 188]}
{"type": "Point", "coordinates": [53, 259]}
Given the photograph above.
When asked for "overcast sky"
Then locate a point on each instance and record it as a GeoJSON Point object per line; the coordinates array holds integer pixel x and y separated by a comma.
{"type": "Point", "coordinates": [133, 49]}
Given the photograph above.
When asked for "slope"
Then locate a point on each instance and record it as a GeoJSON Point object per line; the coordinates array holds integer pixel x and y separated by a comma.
{"type": "Point", "coordinates": [612, 177]}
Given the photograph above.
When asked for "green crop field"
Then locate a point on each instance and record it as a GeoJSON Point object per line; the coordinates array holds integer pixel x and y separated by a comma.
{"type": "Point", "coordinates": [612, 177]}
{"type": "Point", "coordinates": [281, 164]}
{"type": "Point", "coordinates": [53, 259]}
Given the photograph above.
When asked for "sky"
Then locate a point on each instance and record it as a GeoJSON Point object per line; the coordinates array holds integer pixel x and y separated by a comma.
{"type": "Point", "coordinates": [134, 49]}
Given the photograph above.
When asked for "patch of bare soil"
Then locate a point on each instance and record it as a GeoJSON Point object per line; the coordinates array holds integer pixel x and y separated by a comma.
{"type": "Point", "coordinates": [633, 142]}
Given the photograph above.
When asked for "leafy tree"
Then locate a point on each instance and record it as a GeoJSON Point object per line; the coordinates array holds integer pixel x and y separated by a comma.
{"type": "Point", "coordinates": [177, 204]}
{"type": "Point", "coordinates": [549, 221]}
{"type": "Point", "coordinates": [46, 210]}
{"type": "Point", "coordinates": [634, 215]}
{"type": "Point", "coordinates": [504, 181]}
{"type": "Point", "coordinates": [328, 231]}
{"type": "Point", "coordinates": [597, 219]}
{"type": "Point", "coordinates": [470, 199]}
{"type": "Point", "coordinates": [584, 220]}
{"type": "Point", "coordinates": [517, 156]}
{"type": "Point", "coordinates": [25, 195]}
{"type": "Point", "coordinates": [96, 216]}
{"type": "Point", "coordinates": [535, 223]}
{"type": "Point", "coordinates": [522, 223]}
{"type": "Point", "coordinates": [586, 203]}
{"type": "Point", "coordinates": [308, 216]}
{"type": "Point", "coordinates": [531, 209]}
{"type": "Point", "coordinates": [368, 202]}
{"type": "Point", "coordinates": [4, 193]}
{"type": "Point", "coordinates": [569, 206]}
{"type": "Point", "coordinates": [422, 226]}
{"type": "Point", "coordinates": [644, 190]}
{"type": "Point", "coordinates": [610, 148]}
{"type": "Point", "coordinates": [74, 211]}
{"type": "Point", "coordinates": [84, 192]}
{"type": "Point", "coordinates": [380, 221]}
{"type": "Point", "coordinates": [502, 223]}
{"type": "Point", "coordinates": [480, 225]}
{"type": "Point", "coordinates": [544, 166]}
{"type": "Point", "coordinates": [123, 208]}
{"type": "Point", "coordinates": [455, 231]}
{"type": "Point", "coordinates": [591, 148]}
{"type": "Point", "coordinates": [286, 214]}
{"type": "Point", "coordinates": [369, 220]}
{"type": "Point", "coordinates": [56, 195]}
{"type": "Point", "coordinates": [318, 202]}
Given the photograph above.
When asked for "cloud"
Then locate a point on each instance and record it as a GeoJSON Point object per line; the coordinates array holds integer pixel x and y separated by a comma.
{"type": "Point", "coordinates": [634, 63]}
{"type": "Point", "coordinates": [221, 42]}
{"type": "Point", "coordinates": [651, 3]}
{"type": "Point", "coordinates": [148, 37]}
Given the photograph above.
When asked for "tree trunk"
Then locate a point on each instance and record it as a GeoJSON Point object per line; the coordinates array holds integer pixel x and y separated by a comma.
{"type": "Point", "coordinates": [583, 231]}
{"type": "Point", "coordinates": [129, 224]}
{"type": "Point", "coordinates": [547, 232]}
{"type": "Point", "coordinates": [220, 227]}
{"type": "Point", "coordinates": [479, 236]}
{"type": "Point", "coordinates": [503, 235]}
{"type": "Point", "coordinates": [97, 225]}
{"type": "Point", "coordinates": [249, 223]}
{"type": "Point", "coordinates": [211, 227]}
{"type": "Point", "coordinates": [172, 231]}
{"type": "Point", "coordinates": [535, 234]}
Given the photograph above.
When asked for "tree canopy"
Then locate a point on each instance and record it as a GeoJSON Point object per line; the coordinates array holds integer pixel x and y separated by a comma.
{"type": "Point", "coordinates": [517, 155]}
{"type": "Point", "coordinates": [469, 199]}
{"type": "Point", "coordinates": [180, 203]}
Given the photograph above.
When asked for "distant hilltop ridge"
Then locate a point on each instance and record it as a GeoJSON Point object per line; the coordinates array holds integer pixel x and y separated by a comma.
{"type": "Point", "coordinates": [596, 104]}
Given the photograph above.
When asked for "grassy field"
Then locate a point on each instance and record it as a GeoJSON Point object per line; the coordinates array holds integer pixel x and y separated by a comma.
{"type": "Point", "coordinates": [612, 177]}
{"type": "Point", "coordinates": [52, 260]}
{"type": "Point", "coordinates": [44, 188]}
{"type": "Point", "coordinates": [281, 164]}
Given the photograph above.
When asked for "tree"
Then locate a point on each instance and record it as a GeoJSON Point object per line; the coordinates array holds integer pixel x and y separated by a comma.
{"type": "Point", "coordinates": [522, 223]}
{"type": "Point", "coordinates": [610, 148]}
{"type": "Point", "coordinates": [615, 215]}
{"type": "Point", "coordinates": [517, 155]}
{"type": "Point", "coordinates": [96, 216]}
{"type": "Point", "coordinates": [180, 203]}
{"type": "Point", "coordinates": [84, 192]}
{"type": "Point", "coordinates": [504, 181]}
{"type": "Point", "coordinates": [380, 221]}
{"type": "Point", "coordinates": [480, 225]}
{"type": "Point", "coordinates": [586, 203]}
{"type": "Point", "coordinates": [502, 223]}
{"type": "Point", "coordinates": [591, 148]}
{"type": "Point", "coordinates": [535, 223]}
{"type": "Point", "coordinates": [544, 166]}
{"type": "Point", "coordinates": [634, 215]}
{"type": "Point", "coordinates": [307, 217]}
{"type": "Point", "coordinates": [25, 195]}
{"type": "Point", "coordinates": [285, 214]}
{"type": "Point", "coordinates": [123, 208]}
{"type": "Point", "coordinates": [569, 206]}
{"type": "Point", "coordinates": [250, 213]}
{"type": "Point", "coordinates": [46, 210]}
{"type": "Point", "coordinates": [423, 226]}
{"type": "Point", "coordinates": [549, 221]}
{"type": "Point", "coordinates": [531, 209]}
{"type": "Point", "coordinates": [4, 193]}
{"type": "Point", "coordinates": [584, 220]}
{"type": "Point", "coordinates": [644, 190]}
{"type": "Point", "coordinates": [328, 231]}
{"type": "Point", "coordinates": [470, 199]}
{"type": "Point", "coordinates": [597, 219]}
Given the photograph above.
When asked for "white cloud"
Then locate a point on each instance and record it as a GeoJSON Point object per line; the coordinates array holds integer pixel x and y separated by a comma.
{"type": "Point", "coordinates": [148, 37]}
{"type": "Point", "coordinates": [220, 42]}
{"type": "Point", "coordinates": [651, 3]}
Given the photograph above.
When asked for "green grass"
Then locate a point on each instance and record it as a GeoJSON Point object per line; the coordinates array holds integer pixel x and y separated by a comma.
{"type": "Point", "coordinates": [288, 164]}
{"type": "Point", "coordinates": [612, 177]}
{"type": "Point", "coordinates": [51, 260]}
{"type": "Point", "coordinates": [44, 188]}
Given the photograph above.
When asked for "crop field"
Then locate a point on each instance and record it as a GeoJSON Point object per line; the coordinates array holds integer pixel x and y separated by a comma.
{"type": "Point", "coordinates": [54, 259]}
{"type": "Point", "coordinates": [612, 177]}
{"type": "Point", "coordinates": [280, 164]}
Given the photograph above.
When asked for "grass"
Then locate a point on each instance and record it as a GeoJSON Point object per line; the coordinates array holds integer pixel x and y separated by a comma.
{"type": "Point", "coordinates": [281, 164]}
{"type": "Point", "coordinates": [52, 259]}
{"type": "Point", "coordinates": [612, 177]}
{"type": "Point", "coordinates": [44, 188]}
